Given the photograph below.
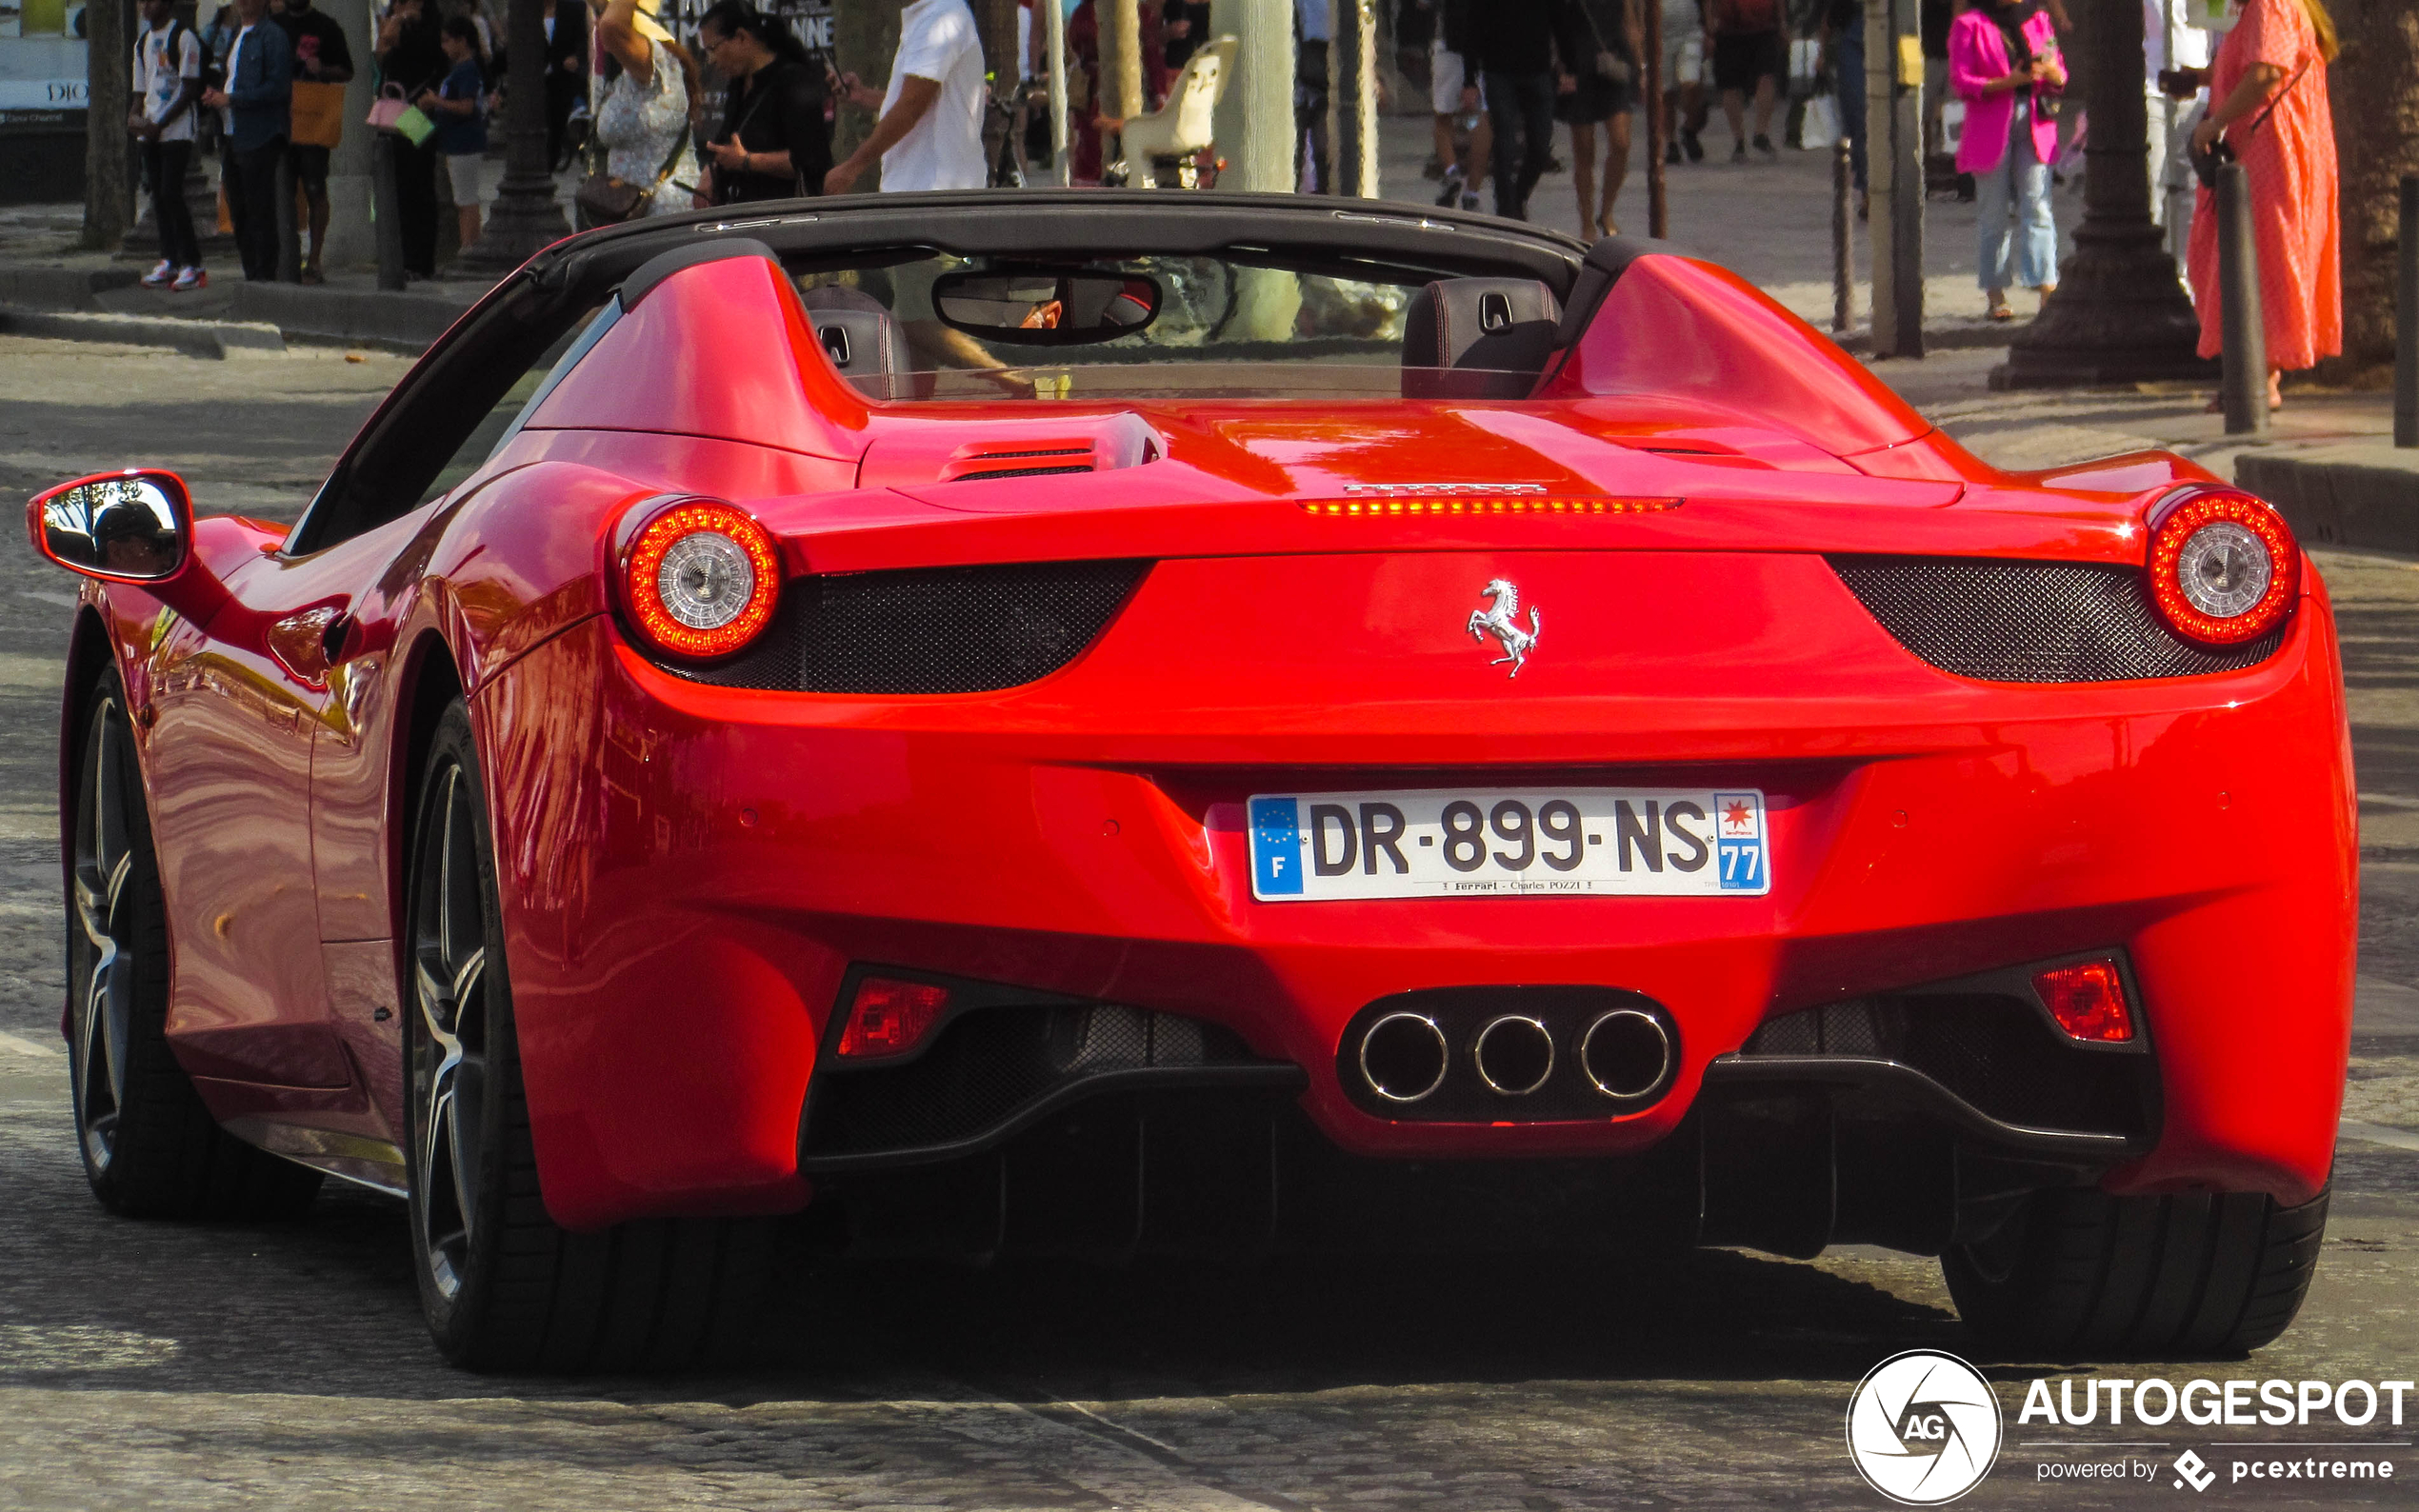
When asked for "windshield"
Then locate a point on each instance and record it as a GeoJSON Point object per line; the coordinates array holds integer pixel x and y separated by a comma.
{"type": "Point", "coordinates": [1160, 326]}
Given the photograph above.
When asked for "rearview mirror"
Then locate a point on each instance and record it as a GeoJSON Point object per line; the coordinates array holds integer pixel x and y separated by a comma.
{"type": "Point", "coordinates": [130, 526]}
{"type": "Point", "coordinates": [1046, 306]}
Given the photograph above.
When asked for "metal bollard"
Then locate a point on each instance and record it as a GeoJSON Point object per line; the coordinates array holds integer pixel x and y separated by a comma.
{"type": "Point", "coordinates": [1843, 240]}
{"type": "Point", "coordinates": [2407, 322]}
{"type": "Point", "coordinates": [288, 255]}
{"type": "Point", "coordinates": [2243, 385]}
{"type": "Point", "coordinates": [385, 209]}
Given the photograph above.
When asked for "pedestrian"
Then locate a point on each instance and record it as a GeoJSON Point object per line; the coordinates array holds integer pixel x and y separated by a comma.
{"type": "Point", "coordinates": [1843, 37]}
{"type": "Point", "coordinates": [1683, 103]}
{"type": "Point", "coordinates": [2003, 61]}
{"type": "Point", "coordinates": [1185, 23]}
{"type": "Point", "coordinates": [458, 106]}
{"type": "Point", "coordinates": [775, 141]}
{"type": "Point", "coordinates": [167, 86]}
{"type": "Point", "coordinates": [1750, 53]}
{"type": "Point", "coordinates": [566, 75]}
{"type": "Point", "coordinates": [929, 134]}
{"type": "Point", "coordinates": [1600, 43]}
{"type": "Point", "coordinates": [410, 57]}
{"type": "Point", "coordinates": [323, 64]}
{"type": "Point", "coordinates": [1454, 93]}
{"type": "Point", "coordinates": [2269, 103]}
{"type": "Point", "coordinates": [259, 92]}
{"type": "Point", "coordinates": [2169, 42]}
{"type": "Point", "coordinates": [1086, 125]}
{"type": "Point", "coordinates": [1314, 33]}
{"type": "Point", "coordinates": [647, 98]}
{"type": "Point", "coordinates": [1932, 20]}
{"type": "Point", "coordinates": [1514, 50]}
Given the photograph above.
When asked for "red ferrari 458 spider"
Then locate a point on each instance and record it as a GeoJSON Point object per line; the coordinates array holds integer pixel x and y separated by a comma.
{"type": "Point", "coordinates": [1098, 723]}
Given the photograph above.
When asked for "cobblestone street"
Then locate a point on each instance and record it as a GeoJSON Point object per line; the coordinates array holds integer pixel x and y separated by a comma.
{"type": "Point", "coordinates": [158, 1365]}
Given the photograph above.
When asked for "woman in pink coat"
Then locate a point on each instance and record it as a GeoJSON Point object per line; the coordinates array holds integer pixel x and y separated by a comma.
{"type": "Point", "coordinates": [2003, 59]}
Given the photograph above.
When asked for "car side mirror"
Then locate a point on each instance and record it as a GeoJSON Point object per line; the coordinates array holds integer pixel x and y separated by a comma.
{"type": "Point", "coordinates": [130, 526]}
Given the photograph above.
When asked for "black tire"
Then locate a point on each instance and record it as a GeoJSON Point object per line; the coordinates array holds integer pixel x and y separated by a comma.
{"type": "Point", "coordinates": [2080, 1274]}
{"type": "Point", "coordinates": [503, 1287]}
{"type": "Point", "coordinates": [150, 1148]}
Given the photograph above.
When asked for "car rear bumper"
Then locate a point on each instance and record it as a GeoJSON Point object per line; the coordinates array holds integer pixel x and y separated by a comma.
{"type": "Point", "coordinates": [692, 872]}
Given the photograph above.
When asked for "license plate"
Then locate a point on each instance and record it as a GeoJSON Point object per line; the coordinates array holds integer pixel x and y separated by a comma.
{"type": "Point", "coordinates": [1515, 842]}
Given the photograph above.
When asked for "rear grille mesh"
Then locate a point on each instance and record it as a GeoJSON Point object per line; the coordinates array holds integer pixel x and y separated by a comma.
{"type": "Point", "coordinates": [930, 630]}
{"type": "Point", "coordinates": [2033, 622]}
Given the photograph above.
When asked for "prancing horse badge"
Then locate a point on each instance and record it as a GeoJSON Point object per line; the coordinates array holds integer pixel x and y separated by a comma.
{"type": "Point", "coordinates": [1500, 620]}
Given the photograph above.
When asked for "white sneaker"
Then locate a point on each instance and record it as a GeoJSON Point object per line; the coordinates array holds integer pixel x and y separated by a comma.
{"type": "Point", "coordinates": [159, 275]}
{"type": "Point", "coordinates": [190, 278]}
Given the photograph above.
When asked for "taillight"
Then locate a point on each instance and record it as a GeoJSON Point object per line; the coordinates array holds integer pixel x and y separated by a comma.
{"type": "Point", "coordinates": [2223, 567]}
{"type": "Point", "coordinates": [2088, 1000]}
{"type": "Point", "coordinates": [702, 578]}
{"type": "Point", "coordinates": [890, 1017]}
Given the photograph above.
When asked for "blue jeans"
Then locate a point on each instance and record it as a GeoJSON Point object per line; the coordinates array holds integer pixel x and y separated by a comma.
{"type": "Point", "coordinates": [2021, 179]}
{"type": "Point", "coordinates": [1847, 70]}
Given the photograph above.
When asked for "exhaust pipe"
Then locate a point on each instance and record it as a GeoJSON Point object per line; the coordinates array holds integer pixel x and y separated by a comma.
{"type": "Point", "coordinates": [1514, 1055]}
{"type": "Point", "coordinates": [1403, 1057]}
{"type": "Point", "coordinates": [1628, 1055]}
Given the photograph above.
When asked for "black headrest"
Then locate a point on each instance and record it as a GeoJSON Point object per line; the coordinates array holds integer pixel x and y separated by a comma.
{"type": "Point", "coordinates": [1501, 327]}
{"type": "Point", "coordinates": [866, 346]}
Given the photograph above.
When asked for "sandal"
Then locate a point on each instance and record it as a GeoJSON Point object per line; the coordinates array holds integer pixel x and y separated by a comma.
{"type": "Point", "coordinates": [1606, 227]}
{"type": "Point", "coordinates": [2001, 310]}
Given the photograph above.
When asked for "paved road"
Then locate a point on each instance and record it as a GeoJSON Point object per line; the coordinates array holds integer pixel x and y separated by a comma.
{"type": "Point", "coordinates": [230, 1366]}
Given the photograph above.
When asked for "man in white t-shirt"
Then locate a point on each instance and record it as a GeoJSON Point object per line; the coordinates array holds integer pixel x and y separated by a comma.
{"type": "Point", "coordinates": [930, 135]}
{"type": "Point", "coordinates": [167, 85]}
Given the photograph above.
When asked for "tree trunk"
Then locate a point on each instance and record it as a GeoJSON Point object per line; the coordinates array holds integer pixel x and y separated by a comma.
{"type": "Point", "coordinates": [865, 38]}
{"type": "Point", "coordinates": [2374, 89]}
{"type": "Point", "coordinates": [996, 21]}
{"type": "Point", "coordinates": [108, 191]}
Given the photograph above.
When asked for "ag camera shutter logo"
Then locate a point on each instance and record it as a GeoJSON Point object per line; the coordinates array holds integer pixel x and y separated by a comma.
{"type": "Point", "coordinates": [1924, 1427]}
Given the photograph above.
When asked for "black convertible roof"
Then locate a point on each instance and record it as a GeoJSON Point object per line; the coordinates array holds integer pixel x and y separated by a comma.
{"type": "Point", "coordinates": [1397, 242]}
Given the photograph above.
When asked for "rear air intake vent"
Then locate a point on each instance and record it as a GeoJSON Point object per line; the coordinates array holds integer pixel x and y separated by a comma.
{"type": "Point", "coordinates": [2031, 621]}
{"type": "Point", "coordinates": [931, 629]}
{"type": "Point", "coordinates": [982, 466]}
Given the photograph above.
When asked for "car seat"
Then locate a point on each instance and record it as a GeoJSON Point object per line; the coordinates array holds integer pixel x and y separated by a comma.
{"type": "Point", "coordinates": [1477, 338]}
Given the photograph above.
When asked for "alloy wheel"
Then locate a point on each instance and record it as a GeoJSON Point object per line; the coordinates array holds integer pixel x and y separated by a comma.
{"type": "Point", "coordinates": [449, 1051]}
{"type": "Point", "coordinates": [101, 1029]}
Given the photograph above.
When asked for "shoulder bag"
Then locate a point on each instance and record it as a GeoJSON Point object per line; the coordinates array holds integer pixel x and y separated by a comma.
{"type": "Point", "coordinates": [1611, 66]}
{"type": "Point", "coordinates": [2205, 165]}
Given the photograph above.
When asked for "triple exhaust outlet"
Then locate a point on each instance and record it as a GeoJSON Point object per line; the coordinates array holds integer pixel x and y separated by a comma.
{"type": "Point", "coordinates": [1625, 1054]}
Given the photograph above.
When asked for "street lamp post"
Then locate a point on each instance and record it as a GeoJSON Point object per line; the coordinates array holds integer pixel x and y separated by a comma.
{"type": "Point", "coordinates": [525, 216]}
{"type": "Point", "coordinates": [2119, 314]}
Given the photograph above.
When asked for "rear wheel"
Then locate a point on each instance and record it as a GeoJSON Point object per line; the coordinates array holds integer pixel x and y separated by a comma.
{"type": "Point", "coordinates": [503, 1287]}
{"type": "Point", "coordinates": [2080, 1273]}
{"type": "Point", "coordinates": [150, 1148]}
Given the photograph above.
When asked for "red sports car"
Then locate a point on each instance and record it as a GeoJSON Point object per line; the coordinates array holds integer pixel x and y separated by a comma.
{"type": "Point", "coordinates": [1098, 723]}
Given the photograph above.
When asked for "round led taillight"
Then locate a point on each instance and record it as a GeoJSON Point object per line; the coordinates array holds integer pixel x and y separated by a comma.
{"type": "Point", "coordinates": [702, 579]}
{"type": "Point", "coordinates": [2223, 567]}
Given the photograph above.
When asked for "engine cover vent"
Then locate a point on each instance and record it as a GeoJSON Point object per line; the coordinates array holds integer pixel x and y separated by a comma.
{"type": "Point", "coordinates": [2033, 622]}
{"type": "Point", "coordinates": [930, 630]}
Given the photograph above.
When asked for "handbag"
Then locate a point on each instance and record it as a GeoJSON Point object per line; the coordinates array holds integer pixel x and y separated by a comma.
{"type": "Point", "coordinates": [318, 114]}
{"type": "Point", "coordinates": [604, 200]}
{"type": "Point", "coordinates": [2205, 165]}
{"type": "Point", "coordinates": [1611, 66]}
{"type": "Point", "coordinates": [388, 107]}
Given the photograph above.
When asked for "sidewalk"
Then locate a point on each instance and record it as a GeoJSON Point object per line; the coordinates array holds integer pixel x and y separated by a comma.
{"type": "Point", "coordinates": [2328, 465]}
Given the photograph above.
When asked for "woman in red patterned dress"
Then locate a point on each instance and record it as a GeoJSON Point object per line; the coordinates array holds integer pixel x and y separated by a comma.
{"type": "Point", "coordinates": [2277, 54]}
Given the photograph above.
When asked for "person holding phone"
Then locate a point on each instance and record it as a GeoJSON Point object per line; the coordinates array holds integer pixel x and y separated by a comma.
{"type": "Point", "coordinates": [775, 141]}
{"type": "Point", "coordinates": [2003, 60]}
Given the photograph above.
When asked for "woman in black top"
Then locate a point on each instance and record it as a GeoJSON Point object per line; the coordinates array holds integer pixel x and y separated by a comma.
{"type": "Point", "coordinates": [776, 139]}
